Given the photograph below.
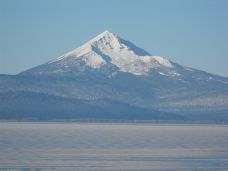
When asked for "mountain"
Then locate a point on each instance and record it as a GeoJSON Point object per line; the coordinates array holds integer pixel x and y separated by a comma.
{"type": "Point", "coordinates": [111, 78]}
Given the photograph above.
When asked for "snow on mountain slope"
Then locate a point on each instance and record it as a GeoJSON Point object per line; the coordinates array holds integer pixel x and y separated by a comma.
{"type": "Point", "coordinates": [107, 49]}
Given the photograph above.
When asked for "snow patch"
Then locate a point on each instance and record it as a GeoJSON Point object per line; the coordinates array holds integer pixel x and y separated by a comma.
{"type": "Point", "coordinates": [163, 61]}
{"type": "Point", "coordinates": [93, 60]}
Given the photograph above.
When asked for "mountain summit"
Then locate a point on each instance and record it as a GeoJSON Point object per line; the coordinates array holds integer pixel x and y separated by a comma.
{"type": "Point", "coordinates": [108, 50]}
{"type": "Point", "coordinates": [111, 78]}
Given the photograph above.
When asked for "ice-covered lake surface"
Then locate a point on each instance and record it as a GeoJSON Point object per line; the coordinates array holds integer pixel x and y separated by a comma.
{"type": "Point", "coordinates": [114, 147]}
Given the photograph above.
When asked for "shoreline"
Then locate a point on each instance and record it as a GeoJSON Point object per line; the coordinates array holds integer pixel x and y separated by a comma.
{"type": "Point", "coordinates": [114, 122]}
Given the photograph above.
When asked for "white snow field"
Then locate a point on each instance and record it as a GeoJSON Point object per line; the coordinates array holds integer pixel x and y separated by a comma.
{"type": "Point", "coordinates": [112, 147]}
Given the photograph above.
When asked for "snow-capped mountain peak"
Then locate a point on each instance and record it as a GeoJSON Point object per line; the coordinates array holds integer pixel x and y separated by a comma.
{"type": "Point", "coordinates": [106, 40]}
{"type": "Point", "coordinates": [108, 49]}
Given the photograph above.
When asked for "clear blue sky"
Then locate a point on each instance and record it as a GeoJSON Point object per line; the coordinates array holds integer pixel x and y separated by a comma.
{"type": "Point", "coordinates": [193, 33]}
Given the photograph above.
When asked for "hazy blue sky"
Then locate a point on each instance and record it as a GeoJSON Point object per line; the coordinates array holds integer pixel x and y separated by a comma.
{"type": "Point", "coordinates": [189, 32]}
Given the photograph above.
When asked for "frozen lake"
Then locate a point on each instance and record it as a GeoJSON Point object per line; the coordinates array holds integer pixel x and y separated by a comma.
{"type": "Point", "coordinates": [114, 147]}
